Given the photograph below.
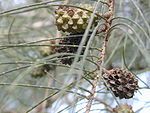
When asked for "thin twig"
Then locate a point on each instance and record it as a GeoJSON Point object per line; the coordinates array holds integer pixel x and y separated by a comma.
{"type": "Point", "coordinates": [108, 15]}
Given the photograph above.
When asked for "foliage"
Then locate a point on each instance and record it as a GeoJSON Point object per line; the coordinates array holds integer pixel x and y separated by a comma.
{"type": "Point", "coordinates": [121, 39]}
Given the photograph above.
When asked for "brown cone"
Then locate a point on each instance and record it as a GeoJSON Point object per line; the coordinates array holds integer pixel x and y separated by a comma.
{"type": "Point", "coordinates": [74, 40]}
{"type": "Point", "coordinates": [122, 83]}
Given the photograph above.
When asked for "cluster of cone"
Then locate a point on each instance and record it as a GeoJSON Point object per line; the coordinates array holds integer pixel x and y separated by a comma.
{"type": "Point", "coordinates": [73, 21]}
{"type": "Point", "coordinates": [45, 51]}
{"type": "Point", "coordinates": [121, 82]}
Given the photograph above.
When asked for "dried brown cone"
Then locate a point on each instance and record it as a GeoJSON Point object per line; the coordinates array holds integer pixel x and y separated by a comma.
{"type": "Point", "coordinates": [73, 20]}
{"type": "Point", "coordinates": [123, 109]}
{"type": "Point", "coordinates": [69, 45]}
{"type": "Point", "coordinates": [122, 83]}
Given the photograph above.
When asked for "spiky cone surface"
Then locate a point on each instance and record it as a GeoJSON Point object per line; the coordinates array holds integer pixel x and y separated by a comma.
{"type": "Point", "coordinates": [124, 108]}
{"type": "Point", "coordinates": [73, 41]}
{"type": "Point", "coordinates": [40, 71]}
{"type": "Point", "coordinates": [47, 50]}
{"type": "Point", "coordinates": [74, 20]}
{"type": "Point", "coordinates": [122, 83]}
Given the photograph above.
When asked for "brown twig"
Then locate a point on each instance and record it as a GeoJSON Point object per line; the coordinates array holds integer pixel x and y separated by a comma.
{"type": "Point", "coordinates": [108, 16]}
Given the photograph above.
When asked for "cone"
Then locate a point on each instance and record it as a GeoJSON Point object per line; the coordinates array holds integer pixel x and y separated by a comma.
{"type": "Point", "coordinates": [122, 83]}
{"type": "Point", "coordinates": [72, 39]}
{"type": "Point", "coordinates": [47, 50]}
{"type": "Point", "coordinates": [40, 71]}
{"type": "Point", "coordinates": [73, 20]}
{"type": "Point", "coordinates": [123, 109]}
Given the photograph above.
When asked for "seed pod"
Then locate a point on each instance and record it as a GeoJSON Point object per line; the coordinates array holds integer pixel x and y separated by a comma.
{"type": "Point", "coordinates": [40, 71]}
{"type": "Point", "coordinates": [122, 83]}
{"type": "Point", "coordinates": [47, 50]}
{"type": "Point", "coordinates": [123, 109]}
{"type": "Point", "coordinates": [74, 20]}
{"type": "Point", "coordinates": [70, 40]}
